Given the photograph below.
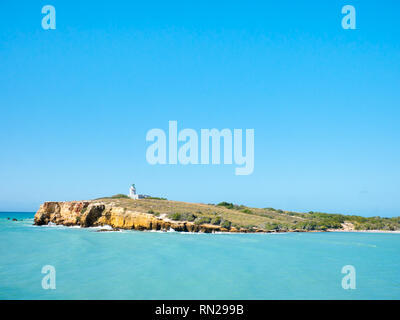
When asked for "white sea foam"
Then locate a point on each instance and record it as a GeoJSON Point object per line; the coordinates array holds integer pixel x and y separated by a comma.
{"type": "Point", "coordinates": [105, 227]}
{"type": "Point", "coordinates": [56, 226]}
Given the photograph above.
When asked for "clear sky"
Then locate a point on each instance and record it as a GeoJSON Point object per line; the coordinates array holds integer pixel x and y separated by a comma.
{"type": "Point", "coordinates": [76, 102]}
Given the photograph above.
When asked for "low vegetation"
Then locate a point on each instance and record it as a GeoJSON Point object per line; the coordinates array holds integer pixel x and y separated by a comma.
{"type": "Point", "coordinates": [156, 198]}
{"type": "Point", "coordinates": [116, 196]}
{"type": "Point", "coordinates": [229, 215]}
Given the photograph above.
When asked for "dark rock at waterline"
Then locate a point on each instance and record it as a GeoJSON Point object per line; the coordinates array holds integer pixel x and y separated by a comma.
{"type": "Point", "coordinates": [14, 219]}
{"type": "Point", "coordinates": [108, 230]}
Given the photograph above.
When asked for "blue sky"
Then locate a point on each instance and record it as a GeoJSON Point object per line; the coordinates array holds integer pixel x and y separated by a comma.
{"type": "Point", "coordinates": [76, 102]}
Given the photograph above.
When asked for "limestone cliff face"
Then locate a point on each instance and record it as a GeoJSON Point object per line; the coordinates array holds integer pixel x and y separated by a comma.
{"type": "Point", "coordinates": [93, 213]}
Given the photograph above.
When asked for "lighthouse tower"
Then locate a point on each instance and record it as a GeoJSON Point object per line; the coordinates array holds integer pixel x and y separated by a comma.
{"type": "Point", "coordinates": [132, 192]}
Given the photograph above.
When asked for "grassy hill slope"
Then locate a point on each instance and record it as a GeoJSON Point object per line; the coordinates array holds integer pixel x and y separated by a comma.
{"type": "Point", "coordinates": [243, 217]}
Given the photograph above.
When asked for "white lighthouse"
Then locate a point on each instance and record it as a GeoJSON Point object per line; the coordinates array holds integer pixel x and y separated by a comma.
{"type": "Point", "coordinates": [133, 195]}
{"type": "Point", "coordinates": [132, 192]}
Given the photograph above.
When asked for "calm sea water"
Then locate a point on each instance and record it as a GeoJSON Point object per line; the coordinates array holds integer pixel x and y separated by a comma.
{"type": "Point", "coordinates": [151, 265]}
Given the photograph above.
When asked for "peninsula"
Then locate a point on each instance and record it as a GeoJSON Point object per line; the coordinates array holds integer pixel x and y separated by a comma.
{"type": "Point", "coordinates": [149, 213]}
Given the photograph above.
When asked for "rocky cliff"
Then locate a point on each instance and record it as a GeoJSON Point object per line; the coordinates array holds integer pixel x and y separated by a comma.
{"type": "Point", "coordinates": [98, 213]}
{"type": "Point", "coordinates": [121, 212]}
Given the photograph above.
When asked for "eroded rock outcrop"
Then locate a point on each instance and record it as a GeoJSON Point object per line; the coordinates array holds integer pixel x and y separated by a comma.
{"type": "Point", "coordinates": [97, 213]}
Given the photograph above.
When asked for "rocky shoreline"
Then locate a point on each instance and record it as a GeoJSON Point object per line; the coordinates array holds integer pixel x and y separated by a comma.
{"type": "Point", "coordinates": [139, 215]}
{"type": "Point", "coordinates": [98, 213]}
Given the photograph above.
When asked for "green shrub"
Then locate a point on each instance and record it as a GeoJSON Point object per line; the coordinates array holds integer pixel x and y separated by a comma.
{"type": "Point", "coordinates": [182, 216]}
{"type": "Point", "coordinates": [120, 196]}
{"type": "Point", "coordinates": [226, 224]}
{"type": "Point", "coordinates": [271, 226]}
{"type": "Point", "coordinates": [202, 220]}
{"type": "Point", "coordinates": [216, 220]}
{"type": "Point", "coordinates": [226, 205]}
{"type": "Point", "coordinates": [153, 212]}
{"type": "Point", "coordinates": [175, 216]}
{"type": "Point", "coordinates": [229, 205]}
{"type": "Point", "coordinates": [189, 217]}
{"type": "Point", "coordinates": [309, 225]}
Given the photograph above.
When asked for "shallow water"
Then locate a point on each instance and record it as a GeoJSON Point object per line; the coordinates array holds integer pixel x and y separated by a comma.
{"type": "Point", "coordinates": [154, 265]}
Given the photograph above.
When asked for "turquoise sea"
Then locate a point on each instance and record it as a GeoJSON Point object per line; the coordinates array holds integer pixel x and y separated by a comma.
{"type": "Point", "coordinates": [154, 265]}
